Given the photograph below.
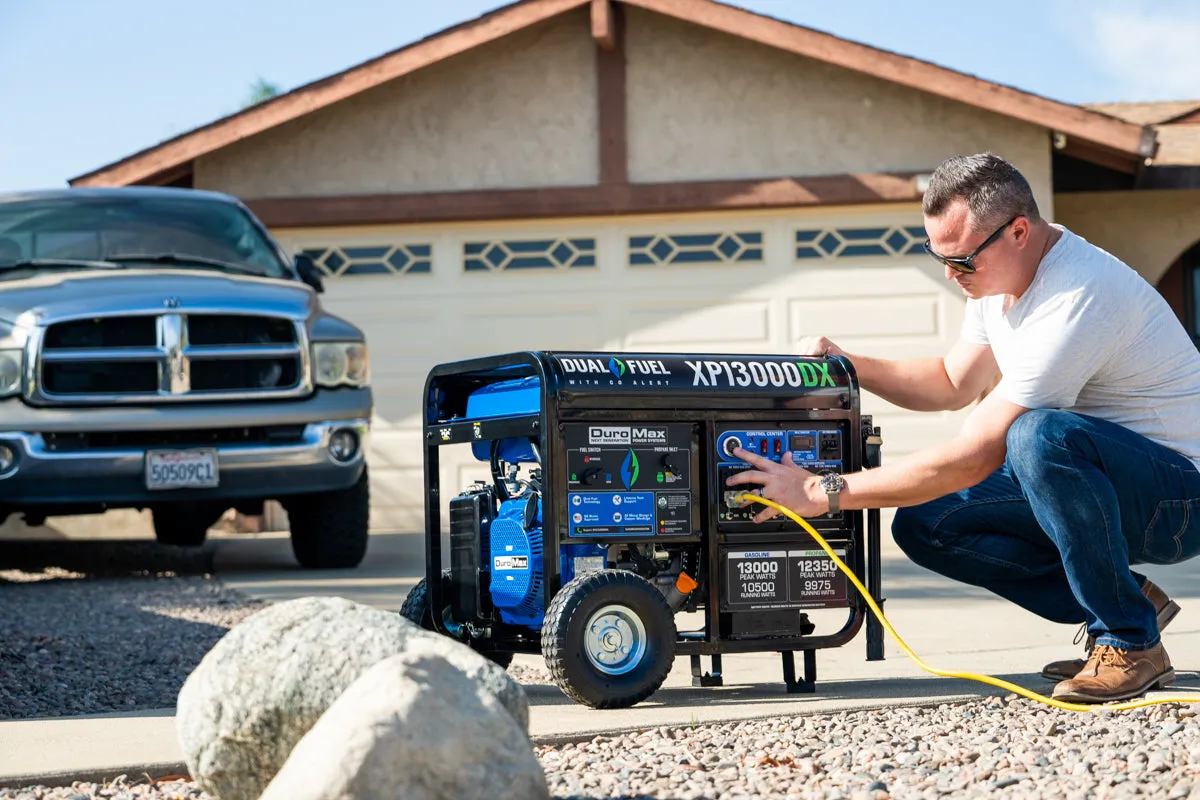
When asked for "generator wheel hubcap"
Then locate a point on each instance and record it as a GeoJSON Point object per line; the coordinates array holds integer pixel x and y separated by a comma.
{"type": "Point", "coordinates": [615, 640]}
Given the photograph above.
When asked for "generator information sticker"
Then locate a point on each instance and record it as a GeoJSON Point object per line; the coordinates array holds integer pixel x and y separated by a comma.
{"type": "Point", "coordinates": [763, 579]}
{"type": "Point", "coordinates": [674, 511]}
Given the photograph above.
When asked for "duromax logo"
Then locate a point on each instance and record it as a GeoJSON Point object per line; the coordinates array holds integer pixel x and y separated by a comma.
{"type": "Point", "coordinates": [617, 367]}
{"type": "Point", "coordinates": [629, 470]}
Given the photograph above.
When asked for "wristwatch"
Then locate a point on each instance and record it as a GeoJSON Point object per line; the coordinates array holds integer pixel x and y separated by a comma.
{"type": "Point", "coordinates": [832, 483]}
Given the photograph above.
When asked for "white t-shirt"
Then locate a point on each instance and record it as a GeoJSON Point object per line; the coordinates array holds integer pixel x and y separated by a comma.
{"type": "Point", "coordinates": [1092, 335]}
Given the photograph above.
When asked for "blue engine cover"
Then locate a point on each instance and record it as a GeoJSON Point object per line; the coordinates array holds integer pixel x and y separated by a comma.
{"type": "Point", "coordinates": [517, 582]}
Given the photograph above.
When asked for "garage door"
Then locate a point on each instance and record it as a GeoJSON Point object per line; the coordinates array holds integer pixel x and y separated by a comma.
{"type": "Point", "coordinates": [713, 282]}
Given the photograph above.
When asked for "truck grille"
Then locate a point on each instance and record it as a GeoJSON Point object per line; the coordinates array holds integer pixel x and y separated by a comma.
{"type": "Point", "coordinates": [110, 440]}
{"type": "Point", "coordinates": [171, 357]}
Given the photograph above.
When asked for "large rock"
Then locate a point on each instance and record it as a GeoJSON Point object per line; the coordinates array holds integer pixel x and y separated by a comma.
{"type": "Point", "coordinates": [267, 681]}
{"type": "Point", "coordinates": [414, 727]}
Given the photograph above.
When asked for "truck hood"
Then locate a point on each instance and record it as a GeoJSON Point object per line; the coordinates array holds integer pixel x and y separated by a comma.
{"type": "Point", "coordinates": [62, 294]}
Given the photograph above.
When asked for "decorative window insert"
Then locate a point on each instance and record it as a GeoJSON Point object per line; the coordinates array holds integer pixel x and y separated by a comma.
{"type": "Point", "coordinates": [695, 248]}
{"type": "Point", "coordinates": [900, 240]}
{"type": "Point", "coordinates": [401, 259]}
{"type": "Point", "coordinates": [504, 254]}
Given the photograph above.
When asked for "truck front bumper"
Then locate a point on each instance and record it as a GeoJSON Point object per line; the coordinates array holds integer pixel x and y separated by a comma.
{"type": "Point", "coordinates": [116, 476]}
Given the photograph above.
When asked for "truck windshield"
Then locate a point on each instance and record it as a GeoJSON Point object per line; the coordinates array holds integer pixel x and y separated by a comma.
{"type": "Point", "coordinates": [39, 233]}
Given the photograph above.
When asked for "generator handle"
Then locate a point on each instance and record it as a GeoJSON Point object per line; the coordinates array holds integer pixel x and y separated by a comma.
{"type": "Point", "coordinates": [873, 442]}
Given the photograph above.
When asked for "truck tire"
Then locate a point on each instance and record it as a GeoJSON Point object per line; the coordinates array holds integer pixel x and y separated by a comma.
{"type": "Point", "coordinates": [184, 524]}
{"type": "Point", "coordinates": [329, 530]}
{"type": "Point", "coordinates": [416, 610]}
{"type": "Point", "coordinates": [609, 639]}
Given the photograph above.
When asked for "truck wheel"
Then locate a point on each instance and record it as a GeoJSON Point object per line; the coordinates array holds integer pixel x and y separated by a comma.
{"type": "Point", "coordinates": [184, 524]}
{"type": "Point", "coordinates": [329, 530]}
{"type": "Point", "coordinates": [416, 610]}
{"type": "Point", "coordinates": [609, 639]}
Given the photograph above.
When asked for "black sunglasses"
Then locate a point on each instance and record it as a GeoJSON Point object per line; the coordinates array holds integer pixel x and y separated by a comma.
{"type": "Point", "coordinates": [966, 264]}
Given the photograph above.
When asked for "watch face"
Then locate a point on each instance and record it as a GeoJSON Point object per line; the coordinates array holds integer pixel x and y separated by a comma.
{"type": "Point", "coordinates": [832, 482]}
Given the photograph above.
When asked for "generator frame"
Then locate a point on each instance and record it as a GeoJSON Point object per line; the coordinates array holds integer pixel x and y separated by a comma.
{"type": "Point", "coordinates": [447, 388]}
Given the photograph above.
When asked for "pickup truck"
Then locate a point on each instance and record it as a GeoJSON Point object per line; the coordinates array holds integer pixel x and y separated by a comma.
{"type": "Point", "coordinates": [159, 350]}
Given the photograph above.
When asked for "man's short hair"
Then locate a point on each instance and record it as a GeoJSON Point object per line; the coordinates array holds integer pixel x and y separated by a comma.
{"type": "Point", "coordinates": [995, 190]}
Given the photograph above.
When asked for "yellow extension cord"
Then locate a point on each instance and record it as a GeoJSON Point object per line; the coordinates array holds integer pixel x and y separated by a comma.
{"type": "Point", "coordinates": [970, 676]}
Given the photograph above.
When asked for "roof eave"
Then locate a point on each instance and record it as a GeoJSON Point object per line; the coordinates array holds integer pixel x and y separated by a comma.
{"type": "Point", "coordinates": [1118, 138]}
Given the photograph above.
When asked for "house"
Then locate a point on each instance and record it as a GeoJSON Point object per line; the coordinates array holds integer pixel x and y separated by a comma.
{"type": "Point", "coordinates": [659, 175]}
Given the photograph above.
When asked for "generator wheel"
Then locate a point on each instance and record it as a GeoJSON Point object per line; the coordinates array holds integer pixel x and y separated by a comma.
{"type": "Point", "coordinates": [415, 609]}
{"type": "Point", "coordinates": [609, 639]}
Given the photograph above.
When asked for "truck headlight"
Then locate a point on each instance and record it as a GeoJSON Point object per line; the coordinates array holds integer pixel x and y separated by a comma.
{"type": "Point", "coordinates": [340, 364]}
{"type": "Point", "coordinates": [10, 372]}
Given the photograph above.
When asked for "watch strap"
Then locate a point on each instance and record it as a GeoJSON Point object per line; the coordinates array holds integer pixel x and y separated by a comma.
{"type": "Point", "coordinates": [833, 487]}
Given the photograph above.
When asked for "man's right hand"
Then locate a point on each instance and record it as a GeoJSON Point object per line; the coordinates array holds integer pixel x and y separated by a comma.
{"type": "Point", "coordinates": [818, 346]}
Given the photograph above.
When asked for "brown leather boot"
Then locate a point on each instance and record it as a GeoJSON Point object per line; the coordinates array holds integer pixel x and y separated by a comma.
{"type": "Point", "coordinates": [1114, 674]}
{"type": "Point", "coordinates": [1166, 608]}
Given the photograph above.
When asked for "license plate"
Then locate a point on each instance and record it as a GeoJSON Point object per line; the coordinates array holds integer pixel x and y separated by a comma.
{"type": "Point", "coordinates": [181, 469]}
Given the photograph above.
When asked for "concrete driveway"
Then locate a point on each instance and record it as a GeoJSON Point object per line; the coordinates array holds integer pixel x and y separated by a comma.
{"type": "Point", "coordinates": [949, 625]}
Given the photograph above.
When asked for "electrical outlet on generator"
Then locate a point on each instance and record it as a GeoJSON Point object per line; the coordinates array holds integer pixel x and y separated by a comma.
{"type": "Point", "coordinates": [816, 448]}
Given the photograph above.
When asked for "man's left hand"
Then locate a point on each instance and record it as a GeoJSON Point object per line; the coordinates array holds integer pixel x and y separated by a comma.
{"type": "Point", "coordinates": [784, 482]}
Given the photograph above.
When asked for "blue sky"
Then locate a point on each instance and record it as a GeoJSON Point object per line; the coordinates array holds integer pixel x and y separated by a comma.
{"type": "Point", "coordinates": [85, 82]}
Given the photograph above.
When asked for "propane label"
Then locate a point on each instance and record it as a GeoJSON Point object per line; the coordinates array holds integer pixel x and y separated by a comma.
{"type": "Point", "coordinates": [501, 563]}
{"type": "Point", "coordinates": [815, 578]}
{"type": "Point", "coordinates": [761, 579]}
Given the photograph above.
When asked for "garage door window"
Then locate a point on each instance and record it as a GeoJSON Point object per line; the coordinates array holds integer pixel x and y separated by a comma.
{"type": "Point", "coordinates": [900, 240]}
{"type": "Point", "coordinates": [502, 254]}
{"type": "Point", "coordinates": [696, 248]}
{"type": "Point", "coordinates": [388, 259]}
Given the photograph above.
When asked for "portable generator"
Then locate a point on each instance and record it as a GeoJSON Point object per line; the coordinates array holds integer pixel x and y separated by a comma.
{"type": "Point", "coordinates": [607, 514]}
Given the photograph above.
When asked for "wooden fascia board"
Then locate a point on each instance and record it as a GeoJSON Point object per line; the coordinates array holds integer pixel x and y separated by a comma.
{"type": "Point", "coordinates": [1190, 118]}
{"type": "Point", "coordinates": [1105, 157]}
{"type": "Point", "coordinates": [168, 175]}
{"type": "Point", "coordinates": [585, 201]}
{"type": "Point", "coordinates": [603, 24]}
{"type": "Point", "coordinates": [321, 93]}
{"type": "Point", "coordinates": [611, 101]}
{"type": "Point", "coordinates": [906, 71]}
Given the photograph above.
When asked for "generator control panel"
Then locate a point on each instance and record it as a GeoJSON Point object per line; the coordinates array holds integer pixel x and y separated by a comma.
{"type": "Point", "coordinates": [630, 480]}
{"type": "Point", "coordinates": [817, 448]}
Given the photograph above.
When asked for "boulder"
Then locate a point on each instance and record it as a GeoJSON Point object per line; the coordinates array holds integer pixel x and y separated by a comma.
{"type": "Point", "coordinates": [413, 726]}
{"type": "Point", "coordinates": [267, 682]}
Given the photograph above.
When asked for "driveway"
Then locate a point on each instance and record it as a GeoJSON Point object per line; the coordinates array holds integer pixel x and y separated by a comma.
{"type": "Point", "coordinates": [951, 626]}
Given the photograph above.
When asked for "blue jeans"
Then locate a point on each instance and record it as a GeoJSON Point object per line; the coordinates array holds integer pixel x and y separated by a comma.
{"type": "Point", "coordinates": [1056, 528]}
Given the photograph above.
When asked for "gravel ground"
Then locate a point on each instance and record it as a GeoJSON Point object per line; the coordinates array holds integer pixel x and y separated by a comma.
{"type": "Point", "coordinates": [121, 636]}
{"type": "Point", "coordinates": [1011, 748]}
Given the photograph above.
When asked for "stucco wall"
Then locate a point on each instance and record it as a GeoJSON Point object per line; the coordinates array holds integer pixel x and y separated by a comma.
{"type": "Point", "coordinates": [708, 105]}
{"type": "Point", "coordinates": [517, 112]}
{"type": "Point", "coordinates": [1148, 230]}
